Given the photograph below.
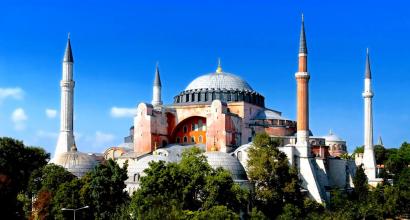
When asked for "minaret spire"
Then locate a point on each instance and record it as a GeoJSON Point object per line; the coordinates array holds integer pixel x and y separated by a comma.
{"type": "Point", "coordinates": [66, 136]}
{"type": "Point", "coordinates": [368, 72]}
{"type": "Point", "coordinates": [156, 89]}
{"type": "Point", "coordinates": [68, 55]}
{"type": "Point", "coordinates": [369, 160]}
{"type": "Point", "coordinates": [302, 41]}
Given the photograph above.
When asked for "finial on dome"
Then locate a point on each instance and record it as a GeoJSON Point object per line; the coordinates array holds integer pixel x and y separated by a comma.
{"type": "Point", "coordinates": [73, 148]}
{"type": "Point", "coordinates": [219, 69]}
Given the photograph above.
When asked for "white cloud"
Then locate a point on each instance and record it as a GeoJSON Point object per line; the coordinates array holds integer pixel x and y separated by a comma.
{"type": "Point", "coordinates": [117, 112]}
{"type": "Point", "coordinates": [100, 139]}
{"type": "Point", "coordinates": [46, 134]}
{"type": "Point", "coordinates": [13, 93]}
{"type": "Point", "coordinates": [51, 113]}
{"type": "Point", "coordinates": [19, 117]}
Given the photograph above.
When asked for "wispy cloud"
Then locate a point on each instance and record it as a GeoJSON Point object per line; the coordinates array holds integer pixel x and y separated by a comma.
{"type": "Point", "coordinates": [46, 134]}
{"type": "Point", "coordinates": [19, 118]}
{"type": "Point", "coordinates": [51, 113]}
{"type": "Point", "coordinates": [11, 93]}
{"type": "Point", "coordinates": [100, 139]}
{"type": "Point", "coordinates": [117, 112]}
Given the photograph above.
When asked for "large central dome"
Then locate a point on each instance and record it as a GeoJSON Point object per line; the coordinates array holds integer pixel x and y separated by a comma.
{"type": "Point", "coordinates": [218, 81]}
{"type": "Point", "coordinates": [219, 85]}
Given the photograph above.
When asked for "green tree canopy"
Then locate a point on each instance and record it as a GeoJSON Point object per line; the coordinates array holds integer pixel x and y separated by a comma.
{"type": "Point", "coordinates": [17, 162]}
{"type": "Point", "coordinates": [276, 183]}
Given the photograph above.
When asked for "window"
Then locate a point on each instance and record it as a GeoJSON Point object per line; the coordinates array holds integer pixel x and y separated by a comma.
{"type": "Point", "coordinates": [239, 155]}
{"type": "Point", "coordinates": [196, 127]}
{"type": "Point", "coordinates": [200, 139]}
{"type": "Point", "coordinates": [200, 125]}
{"type": "Point", "coordinates": [192, 139]}
{"type": "Point", "coordinates": [185, 129]}
{"type": "Point", "coordinates": [178, 140]}
{"type": "Point", "coordinates": [192, 97]}
{"type": "Point", "coordinates": [185, 139]}
{"type": "Point", "coordinates": [192, 127]}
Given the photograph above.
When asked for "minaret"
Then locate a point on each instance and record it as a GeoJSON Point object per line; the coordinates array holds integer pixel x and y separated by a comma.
{"type": "Point", "coordinates": [369, 161]}
{"type": "Point", "coordinates": [302, 79]}
{"type": "Point", "coordinates": [380, 141]}
{"type": "Point", "coordinates": [156, 89]}
{"type": "Point", "coordinates": [66, 136]}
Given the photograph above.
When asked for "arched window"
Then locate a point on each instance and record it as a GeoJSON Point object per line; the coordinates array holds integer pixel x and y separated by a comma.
{"type": "Point", "coordinates": [192, 139]}
{"type": "Point", "coordinates": [239, 155]}
{"type": "Point", "coordinates": [185, 129]}
{"type": "Point", "coordinates": [185, 139]}
{"type": "Point", "coordinates": [200, 125]}
{"type": "Point", "coordinates": [200, 139]}
{"type": "Point", "coordinates": [178, 140]}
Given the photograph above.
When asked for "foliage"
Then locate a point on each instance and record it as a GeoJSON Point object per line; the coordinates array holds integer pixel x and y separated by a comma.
{"type": "Point", "coordinates": [181, 189]}
{"type": "Point", "coordinates": [276, 183]}
{"type": "Point", "coordinates": [17, 162]}
{"type": "Point", "coordinates": [360, 183]}
{"type": "Point", "coordinates": [359, 150]}
{"type": "Point", "coordinates": [103, 189]}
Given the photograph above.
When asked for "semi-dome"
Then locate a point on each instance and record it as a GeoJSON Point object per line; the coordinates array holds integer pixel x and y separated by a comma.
{"type": "Point", "coordinates": [219, 81]}
{"type": "Point", "coordinates": [76, 162]}
{"type": "Point", "coordinates": [220, 159]}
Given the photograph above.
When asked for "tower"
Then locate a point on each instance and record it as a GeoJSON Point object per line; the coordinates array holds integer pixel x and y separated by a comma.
{"type": "Point", "coordinates": [305, 162]}
{"type": "Point", "coordinates": [156, 89]}
{"type": "Point", "coordinates": [302, 80]}
{"type": "Point", "coordinates": [66, 136]}
{"type": "Point", "coordinates": [369, 161]}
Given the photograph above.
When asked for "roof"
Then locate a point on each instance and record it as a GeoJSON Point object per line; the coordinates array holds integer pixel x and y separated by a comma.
{"type": "Point", "coordinates": [219, 81]}
{"type": "Point", "coordinates": [157, 79]}
{"type": "Point", "coordinates": [368, 72]}
{"type": "Point", "coordinates": [226, 161]}
{"type": "Point", "coordinates": [68, 55]}
{"type": "Point", "coordinates": [302, 43]}
{"type": "Point", "coordinates": [268, 114]}
{"type": "Point", "coordinates": [332, 137]}
{"type": "Point", "coordinates": [76, 162]}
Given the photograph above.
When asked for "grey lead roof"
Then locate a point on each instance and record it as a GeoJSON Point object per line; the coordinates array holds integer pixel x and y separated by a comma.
{"type": "Point", "coordinates": [221, 81]}
{"type": "Point", "coordinates": [302, 43]}
{"type": "Point", "coordinates": [157, 79]}
{"type": "Point", "coordinates": [68, 55]}
{"type": "Point", "coordinates": [368, 71]}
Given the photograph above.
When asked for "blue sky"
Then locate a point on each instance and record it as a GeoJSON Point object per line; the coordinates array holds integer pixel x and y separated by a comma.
{"type": "Point", "coordinates": [117, 43]}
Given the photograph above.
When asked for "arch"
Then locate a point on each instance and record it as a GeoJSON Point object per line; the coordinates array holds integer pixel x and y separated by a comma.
{"type": "Point", "coordinates": [189, 131]}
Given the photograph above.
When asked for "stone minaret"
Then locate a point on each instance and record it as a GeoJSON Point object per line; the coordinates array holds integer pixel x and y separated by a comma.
{"type": "Point", "coordinates": [302, 79]}
{"type": "Point", "coordinates": [66, 137]}
{"type": "Point", "coordinates": [156, 89]}
{"type": "Point", "coordinates": [369, 161]}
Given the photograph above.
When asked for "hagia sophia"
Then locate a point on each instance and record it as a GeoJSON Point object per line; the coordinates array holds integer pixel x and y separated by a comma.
{"type": "Point", "coordinates": [220, 113]}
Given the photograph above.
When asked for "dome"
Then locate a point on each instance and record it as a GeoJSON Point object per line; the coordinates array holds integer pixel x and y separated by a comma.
{"type": "Point", "coordinates": [76, 162]}
{"type": "Point", "coordinates": [143, 163]}
{"type": "Point", "coordinates": [219, 81]}
{"type": "Point", "coordinates": [220, 159]}
{"type": "Point", "coordinates": [333, 137]}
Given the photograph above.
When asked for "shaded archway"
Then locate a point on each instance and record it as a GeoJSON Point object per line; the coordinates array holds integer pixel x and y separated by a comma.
{"type": "Point", "coordinates": [191, 130]}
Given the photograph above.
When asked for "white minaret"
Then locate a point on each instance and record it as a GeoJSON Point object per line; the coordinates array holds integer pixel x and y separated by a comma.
{"type": "Point", "coordinates": [66, 136]}
{"type": "Point", "coordinates": [369, 161]}
{"type": "Point", "coordinates": [156, 89]}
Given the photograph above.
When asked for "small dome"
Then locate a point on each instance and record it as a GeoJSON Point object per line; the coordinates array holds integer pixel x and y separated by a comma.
{"type": "Point", "coordinates": [76, 162]}
{"type": "Point", "coordinates": [143, 163]}
{"type": "Point", "coordinates": [333, 137]}
{"type": "Point", "coordinates": [220, 159]}
{"type": "Point", "coordinates": [219, 81]}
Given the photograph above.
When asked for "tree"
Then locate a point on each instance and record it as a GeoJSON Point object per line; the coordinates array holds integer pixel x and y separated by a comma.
{"type": "Point", "coordinates": [359, 150]}
{"type": "Point", "coordinates": [44, 184]}
{"type": "Point", "coordinates": [181, 189]}
{"type": "Point", "coordinates": [361, 188]}
{"type": "Point", "coordinates": [103, 189]}
{"type": "Point", "coordinates": [276, 183]}
{"type": "Point", "coordinates": [17, 162]}
{"type": "Point", "coordinates": [381, 154]}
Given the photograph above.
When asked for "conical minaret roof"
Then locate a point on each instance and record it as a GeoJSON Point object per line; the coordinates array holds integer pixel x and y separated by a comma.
{"type": "Point", "coordinates": [302, 42]}
{"type": "Point", "coordinates": [368, 72]}
{"type": "Point", "coordinates": [157, 79]}
{"type": "Point", "coordinates": [68, 55]}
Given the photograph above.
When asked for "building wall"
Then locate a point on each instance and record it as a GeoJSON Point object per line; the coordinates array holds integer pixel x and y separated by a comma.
{"type": "Point", "coordinates": [190, 131]}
